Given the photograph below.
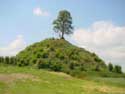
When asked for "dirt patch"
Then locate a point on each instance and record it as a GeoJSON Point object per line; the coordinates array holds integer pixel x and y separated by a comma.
{"type": "Point", "coordinates": [17, 76]}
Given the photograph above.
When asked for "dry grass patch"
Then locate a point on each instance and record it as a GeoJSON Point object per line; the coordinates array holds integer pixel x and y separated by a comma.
{"type": "Point", "coordinates": [90, 87]}
{"type": "Point", "coordinates": [7, 78]}
{"type": "Point", "coordinates": [60, 74]}
{"type": "Point", "coordinates": [66, 76]}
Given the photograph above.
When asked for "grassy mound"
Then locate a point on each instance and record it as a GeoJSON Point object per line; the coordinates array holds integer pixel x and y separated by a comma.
{"type": "Point", "coordinates": [59, 55]}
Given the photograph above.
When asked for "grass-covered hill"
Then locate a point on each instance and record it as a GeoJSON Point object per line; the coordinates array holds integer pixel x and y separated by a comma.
{"type": "Point", "coordinates": [27, 80]}
{"type": "Point", "coordinates": [59, 55]}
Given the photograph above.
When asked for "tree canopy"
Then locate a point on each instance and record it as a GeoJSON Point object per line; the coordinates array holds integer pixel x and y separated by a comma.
{"type": "Point", "coordinates": [63, 24]}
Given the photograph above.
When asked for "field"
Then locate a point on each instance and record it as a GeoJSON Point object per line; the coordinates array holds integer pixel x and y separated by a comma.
{"type": "Point", "coordinates": [27, 80]}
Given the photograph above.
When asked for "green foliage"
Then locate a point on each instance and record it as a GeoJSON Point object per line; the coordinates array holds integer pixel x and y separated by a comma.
{"type": "Point", "coordinates": [1, 59]}
{"type": "Point", "coordinates": [97, 68]}
{"type": "Point", "coordinates": [8, 60]}
{"type": "Point", "coordinates": [22, 62]}
{"type": "Point", "coordinates": [97, 59]}
{"type": "Point", "coordinates": [41, 63]}
{"type": "Point", "coordinates": [72, 65]}
{"type": "Point", "coordinates": [110, 67]}
{"type": "Point", "coordinates": [117, 69]}
{"type": "Point", "coordinates": [59, 55]}
{"type": "Point", "coordinates": [56, 66]}
{"type": "Point", "coordinates": [63, 23]}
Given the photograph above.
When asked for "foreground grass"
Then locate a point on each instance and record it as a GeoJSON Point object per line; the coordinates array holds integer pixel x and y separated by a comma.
{"type": "Point", "coordinates": [26, 80]}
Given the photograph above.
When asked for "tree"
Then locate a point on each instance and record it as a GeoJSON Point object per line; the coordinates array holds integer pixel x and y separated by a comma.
{"type": "Point", "coordinates": [110, 67]}
{"type": "Point", "coordinates": [63, 24]}
{"type": "Point", "coordinates": [1, 59]}
{"type": "Point", "coordinates": [6, 60]}
{"type": "Point", "coordinates": [118, 69]}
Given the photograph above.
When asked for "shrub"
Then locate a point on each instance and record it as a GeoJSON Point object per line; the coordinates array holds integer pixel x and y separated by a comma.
{"type": "Point", "coordinates": [110, 67]}
{"type": "Point", "coordinates": [59, 54]}
{"type": "Point", "coordinates": [118, 69]}
{"type": "Point", "coordinates": [22, 62]}
{"type": "Point", "coordinates": [55, 66]}
{"type": "Point", "coordinates": [97, 59]}
{"type": "Point", "coordinates": [42, 64]}
{"type": "Point", "coordinates": [72, 65]}
{"type": "Point", "coordinates": [97, 68]}
{"type": "Point", "coordinates": [45, 54]}
{"type": "Point", "coordinates": [82, 68]}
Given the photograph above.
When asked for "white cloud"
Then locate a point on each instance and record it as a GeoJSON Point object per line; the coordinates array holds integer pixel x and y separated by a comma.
{"type": "Point", "coordinates": [14, 47]}
{"type": "Point", "coordinates": [104, 38]}
{"type": "Point", "coordinates": [39, 12]}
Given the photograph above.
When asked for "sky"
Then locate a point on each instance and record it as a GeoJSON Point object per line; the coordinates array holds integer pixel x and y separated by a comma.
{"type": "Point", "coordinates": [99, 25]}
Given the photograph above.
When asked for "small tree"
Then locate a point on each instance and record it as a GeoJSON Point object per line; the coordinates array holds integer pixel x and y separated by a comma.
{"type": "Point", "coordinates": [63, 24]}
{"type": "Point", "coordinates": [1, 59]}
{"type": "Point", "coordinates": [110, 67]}
{"type": "Point", "coordinates": [118, 69]}
{"type": "Point", "coordinates": [6, 60]}
{"type": "Point", "coordinates": [71, 65]}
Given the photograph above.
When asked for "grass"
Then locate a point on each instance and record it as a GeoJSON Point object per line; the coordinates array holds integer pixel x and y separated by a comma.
{"type": "Point", "coordinates": [27, 80]}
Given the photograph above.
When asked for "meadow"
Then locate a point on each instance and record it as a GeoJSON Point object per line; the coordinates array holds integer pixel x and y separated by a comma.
{"type": "Point", "coordinates": [29, 80]}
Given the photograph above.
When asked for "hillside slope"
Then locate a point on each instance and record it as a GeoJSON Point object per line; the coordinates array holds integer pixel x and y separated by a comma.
{"type": "Point", "coordinates": [59, 55]}
{"type": "Point", "coordinates": [26, 80]}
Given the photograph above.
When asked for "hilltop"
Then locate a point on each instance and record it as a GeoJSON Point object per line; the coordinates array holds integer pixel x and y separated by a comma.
{"type": "Point", "coordinates": [59, 55]}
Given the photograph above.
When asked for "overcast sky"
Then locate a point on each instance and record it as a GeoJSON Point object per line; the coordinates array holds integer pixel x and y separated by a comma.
{"type": "Point", "coordinates": [99, 25]}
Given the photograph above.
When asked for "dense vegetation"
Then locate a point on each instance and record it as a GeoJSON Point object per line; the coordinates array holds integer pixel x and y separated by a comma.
{"type": "Point", "coordinates": [60, 55]}
{"type": "Point", "coordinates": [53, 53]}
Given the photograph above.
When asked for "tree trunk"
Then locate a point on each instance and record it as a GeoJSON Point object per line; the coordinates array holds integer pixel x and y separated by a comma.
{"type": "Point", "coordinates": [62, 37]}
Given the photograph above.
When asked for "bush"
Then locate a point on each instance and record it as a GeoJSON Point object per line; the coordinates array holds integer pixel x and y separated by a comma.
{"type": "Point", "coordinates": [22, 62]}
{"type": "Point", "coordinates": [60, 55]}
{"type": "Point", "coordinates": [97, 59]}
{"type": "Point", "coordinates": [97, 68]}
{"type": "Point", "coordinates": [55, 66]}
{"type": "Point", "coordinates": [82, 68]}
{"type": "Point", "coordinates": [45, 54]}
{"type": "Point", "coordinates": [110, 67]}
{"type": "Point", "coordinates": [118, 69]}
{"type": "Point", "coordinates": [71, 65]}
{"type": "Point", "coordinates": [42, 64]}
